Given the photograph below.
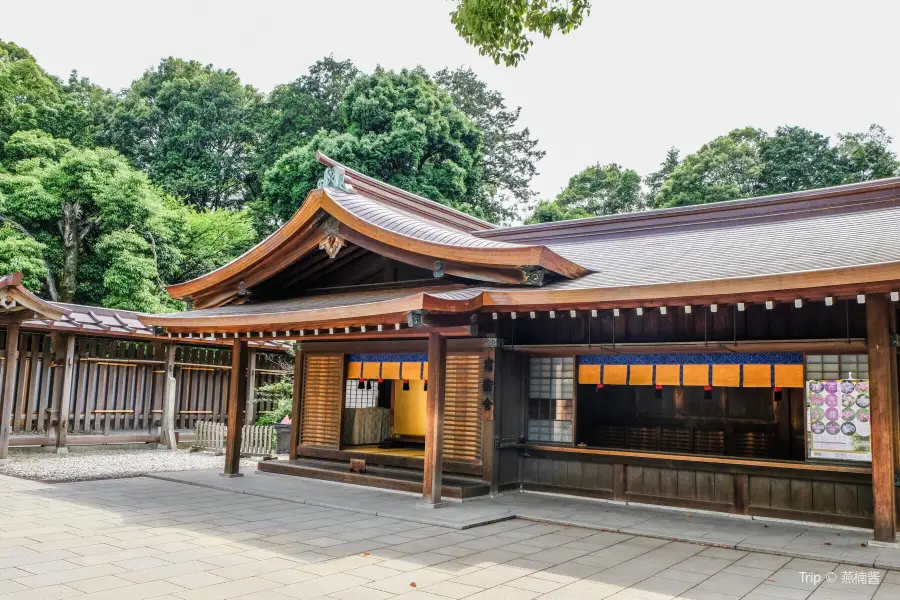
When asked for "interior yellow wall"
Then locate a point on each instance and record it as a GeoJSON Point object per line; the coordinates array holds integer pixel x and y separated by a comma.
{"type": "Point", "coordinates": [409, 408]}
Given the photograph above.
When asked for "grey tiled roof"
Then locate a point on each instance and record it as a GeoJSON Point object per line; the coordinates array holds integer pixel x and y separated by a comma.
{"type": "Point", "coordinates": [805, 242]}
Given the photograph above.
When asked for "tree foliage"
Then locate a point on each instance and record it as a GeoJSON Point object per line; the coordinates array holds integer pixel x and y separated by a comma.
{"type": "Point", "coordinates": [110, 236]}
{"type": "Point", "coordinates": [510, 155]}
{"type": "Point", "coordinates": [598, 190]}
{"type": "Point", "coordinates": [655, 180]}
{"type": "Point", "coordinates": [748, 162]}
{"type": "Point", "coordinates": [20, 253]}
{"type": "Point", "coordinates": [309, 104]}
{"type": "Point", "coordinates": [499, 28]}
{"type": "Point", "coordinates": [192, 128]}
{"type": "Point", "coordinates": [399, 127]}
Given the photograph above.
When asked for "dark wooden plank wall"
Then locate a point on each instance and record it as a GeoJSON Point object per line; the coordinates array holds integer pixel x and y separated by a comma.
{"type": "Point", "coordinates": [792, 494]}
{"type": "Point", "coordinates": [124, 376]}
{"type": "Point", "coordinates": [785, 322]}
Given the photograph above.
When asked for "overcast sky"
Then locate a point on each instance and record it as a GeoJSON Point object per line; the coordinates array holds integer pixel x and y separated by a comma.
{"type": "Point", "coordinates": [638, 77]}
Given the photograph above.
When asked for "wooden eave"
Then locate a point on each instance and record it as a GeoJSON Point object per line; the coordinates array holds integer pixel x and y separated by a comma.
{"type": "Point", "coordinates": [838, 283]}
{"type": "Point", "coordinates": [302, 234]}
{"type": "Point", "coordinates": [386, 312]}
{"type": "Point", "coordinates": [17, 301]}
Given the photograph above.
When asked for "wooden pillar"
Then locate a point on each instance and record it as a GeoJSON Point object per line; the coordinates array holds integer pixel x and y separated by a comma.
{"type": "Point", "coordinates": [251, 387]}
{"type": "Point", "coordinates": [64, 357]}
{"type": "Point", "coordinates": [881, 355]}
{"type": "Point", "coordinates": [9, 389]}
{"type": "Point", "coordinates": [296, 406]}
{"type": "Point", "coordinates": [434, 420]}
{"type": "Point", "coordinates": [167, 437]}
{"type": "Point", "coordinates": [237, 400]}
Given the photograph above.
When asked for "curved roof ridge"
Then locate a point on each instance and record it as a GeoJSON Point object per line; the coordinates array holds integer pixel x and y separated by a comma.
{"type": "Point", "coordinates": [847, 197]}
{"type": "Point", "coordinates": [380, 225]}
{"type": "Point", "coordinates": [401, 199]}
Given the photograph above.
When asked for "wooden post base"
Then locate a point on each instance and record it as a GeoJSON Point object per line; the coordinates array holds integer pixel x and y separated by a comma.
{"type": "Point", "coordinates": [430, 504]}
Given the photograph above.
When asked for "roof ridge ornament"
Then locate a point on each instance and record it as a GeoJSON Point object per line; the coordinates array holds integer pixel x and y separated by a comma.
{"type": "Point", "coordinates": [336, 177]}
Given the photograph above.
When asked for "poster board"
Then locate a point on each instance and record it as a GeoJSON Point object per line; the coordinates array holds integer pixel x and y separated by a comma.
{"type": "Point", "coordinates": [838, 419]}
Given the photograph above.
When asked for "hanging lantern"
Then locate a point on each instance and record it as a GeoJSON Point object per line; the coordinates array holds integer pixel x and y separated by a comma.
{"type": "Point", "coordinates": [599, 385]}
{"type": "Point", "coordinates": [361, 384]}
{"type": "Point", "coordinates": [368, 384]}
{"type": "Point", "coordinates": [426, 385]}
{"type": "Point", "coordinates": [406, 385]}
{"type": "Point", "coordinates": [707, 392]}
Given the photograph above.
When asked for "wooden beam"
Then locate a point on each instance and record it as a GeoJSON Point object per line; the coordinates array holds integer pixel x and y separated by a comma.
{"type": "Point", "coordinates": [434, 420]}
{"type": "Point", "coordinates": [237, 398]}
{"type": "Point", "coordinates": [9, 388]}
{"type": "Point", "coordinates": [881, 355]}
{"type": "Point", "coordinates": [295, 407]}
{"type": "Point", "coordinates": [65, 359]}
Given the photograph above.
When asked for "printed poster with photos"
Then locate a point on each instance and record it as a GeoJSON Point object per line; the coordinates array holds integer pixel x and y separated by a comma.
{"type": "Point", "coordinates": [837, 419]}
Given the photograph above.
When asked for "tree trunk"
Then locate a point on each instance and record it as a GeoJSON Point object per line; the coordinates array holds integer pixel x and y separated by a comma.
{"type": "Point", "coordinates": [68, 227]}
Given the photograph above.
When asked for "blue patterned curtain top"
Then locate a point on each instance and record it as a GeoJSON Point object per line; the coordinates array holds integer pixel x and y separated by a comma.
{"type": "Point", "coordinates": [706, 358]}
{"type": "Point", "coordinates": [390, 358]}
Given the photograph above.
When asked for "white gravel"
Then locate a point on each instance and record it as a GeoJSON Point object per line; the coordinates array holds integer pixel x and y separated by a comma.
{"type": "Point", "coordinates": [109, 463]}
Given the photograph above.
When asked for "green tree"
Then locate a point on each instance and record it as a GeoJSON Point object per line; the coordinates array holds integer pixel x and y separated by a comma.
{"type": "Point", "coordinates": [215, 237]}
{"type": "Point", "coordinates": [401, 128]}
{"type": "Point", "coordinates": [654, 181]}
{"type": "Point", "coordinates": [309, 104]}
{"type": "Point", "coordinates": [597, 190]}
{"type": "Point", "coordinates": [29, 98]}
{"type": "Point", "coordinates": [510, 155]}
{"type": "Point", "coordinates": [866, 156]}
{"type": "Point", "coordinates": [86, 110]}
{"type": "Point", "coordinates": [499, 28]}
{"type": "Point", "coordinates": [192, 128]}
{"type": "Point", "coordinates": [726, 168]}
{"type": "Point", "coordinates": [796, 159]}
{"type": "Point", "coordinates": [110, 236]}
{"type": "Point", "coordinates": [22, 254]}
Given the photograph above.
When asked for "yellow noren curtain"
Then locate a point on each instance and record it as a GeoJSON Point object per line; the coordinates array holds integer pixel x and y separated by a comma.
{"type": "Point", "coordinates": [668, 374]}
{"type": "Point", "coordinates": [390, 370]}
{"type": "Point", "coordinates": [641, 375]}
{"type": "Point", "coordinates": [371, 370]}
{"type": "Point", "coordinates": [589, 374]}
{"type": "Point", "coordinates": [411, 370]}
{"type": "Point", "coordinates": [696, 375]}
{"type": "Point", "coordinates": [354, 370]}
{"type": "Point", "coordinates": [789, 376]}
{"type": "Point", "coordinates": [757, 375]}
{"type": "Point", "coordinates": [615, 374]}
{"type": "Point", "coordinates": [726, 375]}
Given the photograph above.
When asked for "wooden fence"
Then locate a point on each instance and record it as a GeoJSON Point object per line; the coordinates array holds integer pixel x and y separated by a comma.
{"type": "Point", "coordinates": [118, 384]}
{"type": "Point", "coordinates": [255, 439]}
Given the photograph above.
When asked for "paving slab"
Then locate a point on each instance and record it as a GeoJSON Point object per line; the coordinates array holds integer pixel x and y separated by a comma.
{"type": "Point", "coordinates": [250, 546]}
{"type": "Point", "coordinates": [770, 536]}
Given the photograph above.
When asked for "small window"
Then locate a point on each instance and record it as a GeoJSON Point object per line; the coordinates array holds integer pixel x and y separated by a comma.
{"type": "Point", "coordinates": [837, 366]}
{"type": "Point", "coordinates": [551, 381]}
{"type": "Point", "coordinates": [365, 397]}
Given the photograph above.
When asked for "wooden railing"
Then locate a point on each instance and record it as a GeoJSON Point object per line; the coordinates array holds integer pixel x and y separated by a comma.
{"type": "Point", "coordinates": [256, 440]}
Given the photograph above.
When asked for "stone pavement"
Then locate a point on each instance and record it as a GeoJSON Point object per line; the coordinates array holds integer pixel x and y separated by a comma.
{"type": "Point", "coordinates": [147, 538]}
{"type": "Point", "coordinates": [797, 540]}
